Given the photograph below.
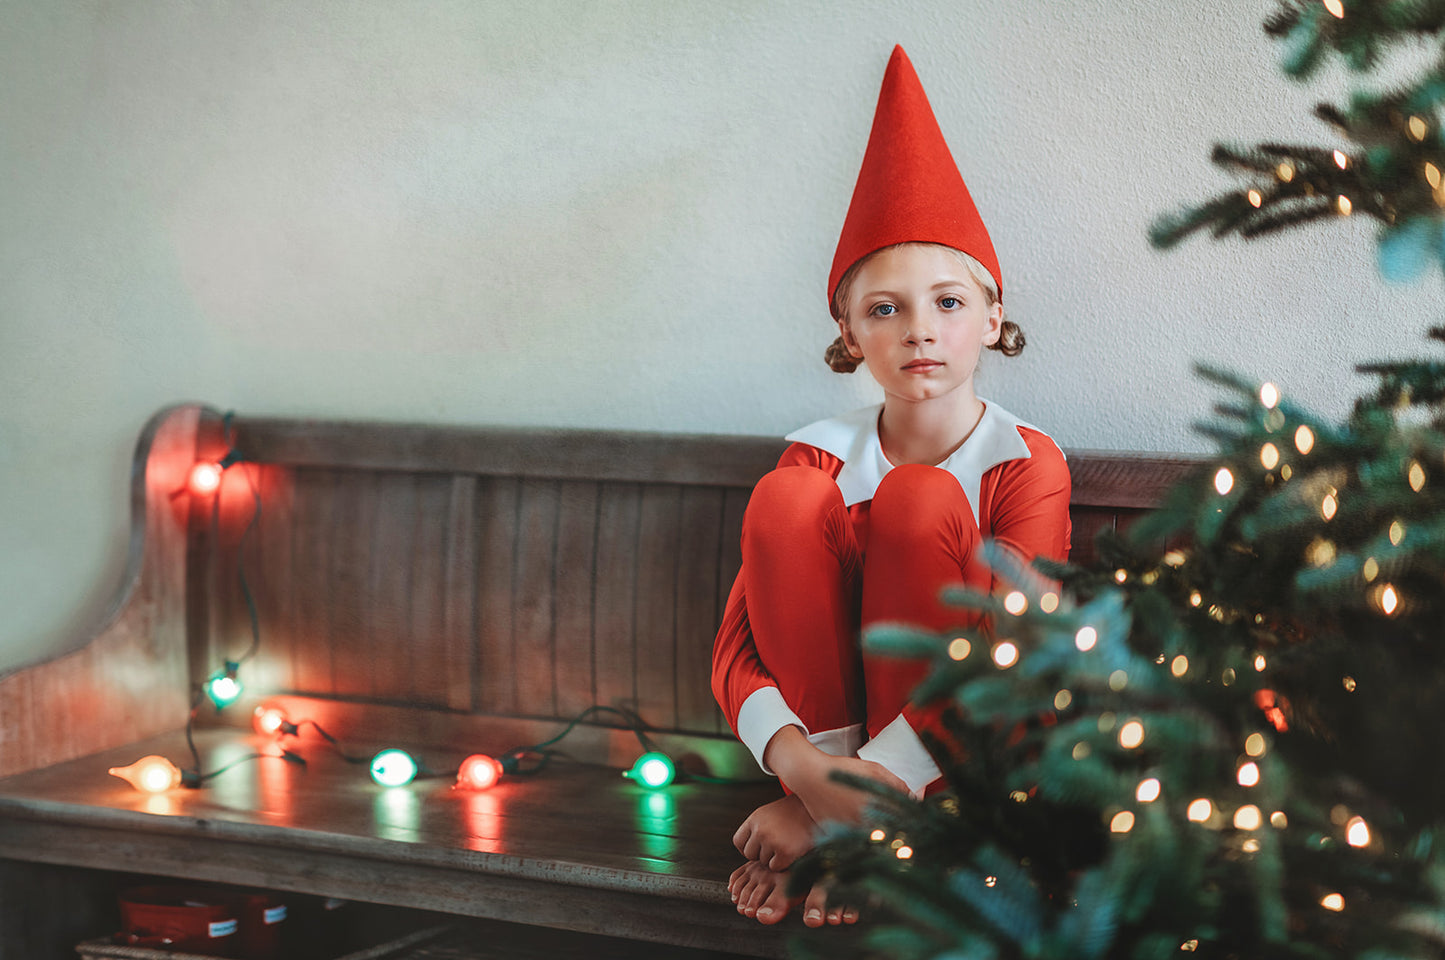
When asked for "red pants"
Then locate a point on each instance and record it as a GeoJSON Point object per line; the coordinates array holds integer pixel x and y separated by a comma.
{"type": "Point", "coordinates": [814, 573]}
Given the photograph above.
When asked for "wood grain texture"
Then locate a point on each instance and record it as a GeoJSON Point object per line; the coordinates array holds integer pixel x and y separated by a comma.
{"type": "Point", "coordinates": [655, 636]}
{"type": "Point", "coordinates": [129, 680]}
{"type": "Point", "coordinates": [534, 598]}
{"type": "Point", "coordinates": [619, 512]}
{"type": "Point", "coordinates": [699, 530]}
{"type": "Point", "coordinates": [576, 567]}
{"type": "Point", "coordinates": [495, 683]}
{"type": "Point", "coordinates": [314, 512]}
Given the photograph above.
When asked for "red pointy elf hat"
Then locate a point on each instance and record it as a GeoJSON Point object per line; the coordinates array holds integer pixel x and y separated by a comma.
{"type": "Point", "coordinates": [909, 188]}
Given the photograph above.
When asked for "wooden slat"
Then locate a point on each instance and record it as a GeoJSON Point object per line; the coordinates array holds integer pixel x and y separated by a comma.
{"type": "Point", "coordinates": [656, 591]}
{"type": "Point", "coordinates": [576, 572]}
{"type": "Point", "coordinates": [351, 600]}
{"type": "Point", "coordinates": [431, 653]}
{"type": "Point", "coordinates": [1132, 480]}
{"type": "Point", "coordinates": [391, 548]}
{"type": "Point", "coordinates": [559, 454]}
{"type": "Point", "coordinates": [496, 682]}
{"type": "Point", "coordinates": [618, 515]}
{"type": "Point", "coordinates": [1088, 522]}
{"type": "Point", "coordinates": [533, 598]}
{"type": "Point", "coordinates": [730, 559]}
{"type": "Point", "coordinates": [698, 613]}
{"type": "Point", "coordinates": [460, 623]}
{"type": "Point", "coordinates": [315, 510]}
{"type": "Point", "coordinates": [269, 571]}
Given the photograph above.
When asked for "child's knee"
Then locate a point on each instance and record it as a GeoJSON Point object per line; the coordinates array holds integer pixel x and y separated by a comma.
{"type": "Point", "coordinates": [793, 499]}
{"type": "Point", "coordinates": [915, 500]}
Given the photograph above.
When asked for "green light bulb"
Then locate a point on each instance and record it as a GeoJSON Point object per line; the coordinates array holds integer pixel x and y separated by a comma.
{"type": "Point", "coordinates": [392, 768]}
{"type": "Point", "coordinates": [652, 770]}
{"type": "Point", "coordinates": [223, 689]}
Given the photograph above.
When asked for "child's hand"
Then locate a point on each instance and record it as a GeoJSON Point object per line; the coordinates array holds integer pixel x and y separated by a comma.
{"type": "Point", "coordinates": [827, 799]}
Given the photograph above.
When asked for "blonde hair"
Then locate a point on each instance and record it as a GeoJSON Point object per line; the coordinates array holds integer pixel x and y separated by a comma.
{"type": "Point", "coordinates": [1011, 338]}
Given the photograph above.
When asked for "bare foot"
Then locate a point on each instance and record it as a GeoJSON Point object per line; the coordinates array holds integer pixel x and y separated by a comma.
{"type": "Point", "coordinates": [808, 773]}
{"type": "Point", "coordinates": [776, 833]}
{"type": "Point", "coordinates": [763, 894]}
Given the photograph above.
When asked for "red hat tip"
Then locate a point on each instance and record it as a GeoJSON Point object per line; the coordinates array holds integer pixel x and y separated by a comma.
{"type": "Point", "coordinates": [909, 188]}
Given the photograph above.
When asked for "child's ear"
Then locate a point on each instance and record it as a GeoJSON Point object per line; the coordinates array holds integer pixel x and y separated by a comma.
{"type": "Point", "coordinates": [849, 341]}
{"type": "Point", "coordinates": [993, 327]}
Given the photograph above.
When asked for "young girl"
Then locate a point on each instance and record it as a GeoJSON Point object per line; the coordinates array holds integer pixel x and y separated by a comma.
{"type": "Point", "coordinates": [870, 515]}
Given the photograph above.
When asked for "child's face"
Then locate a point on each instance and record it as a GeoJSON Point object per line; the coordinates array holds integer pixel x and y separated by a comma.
{"type": "Point", "coordinates": [919, 319]}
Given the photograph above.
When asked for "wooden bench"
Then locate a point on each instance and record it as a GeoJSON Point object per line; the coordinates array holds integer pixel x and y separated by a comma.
{"type": "Point", "coordinates": [451, 590]}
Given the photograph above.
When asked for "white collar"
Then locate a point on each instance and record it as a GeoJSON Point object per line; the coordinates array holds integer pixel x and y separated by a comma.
{"type": "Point", "coordinates": [853, 438]}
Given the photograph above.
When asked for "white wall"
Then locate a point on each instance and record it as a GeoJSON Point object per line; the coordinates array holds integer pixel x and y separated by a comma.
{"type": "Point", "coordinates": [614, 213]}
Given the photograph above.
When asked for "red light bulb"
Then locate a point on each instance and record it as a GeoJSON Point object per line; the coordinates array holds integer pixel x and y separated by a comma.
{"type": "Point", "coordinates": [205, 478]}
{"type": "Point", "coordinates": [478, 772]}
{"type": "Point", "coordinates": [269, 720]}
{"type": "Point", "coordinates": [152, 774]}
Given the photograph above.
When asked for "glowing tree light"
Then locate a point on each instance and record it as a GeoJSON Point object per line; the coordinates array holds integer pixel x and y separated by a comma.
{"type": "Point", "coordinates": [152, 774]}
{"type": "Point", "coordinates": [478, 772]}
{"type": "Point", "coordinates": [652, 770]}
{"type": "Point", "coordinates": [393, 768]}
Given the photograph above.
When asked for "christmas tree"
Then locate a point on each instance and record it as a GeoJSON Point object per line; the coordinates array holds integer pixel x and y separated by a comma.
{"type": "Point", "coordinates": [1221, 740]}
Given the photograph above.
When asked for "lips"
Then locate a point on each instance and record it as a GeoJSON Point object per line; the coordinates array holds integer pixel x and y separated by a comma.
{"type": "Point", "coordinates": [922, 366]}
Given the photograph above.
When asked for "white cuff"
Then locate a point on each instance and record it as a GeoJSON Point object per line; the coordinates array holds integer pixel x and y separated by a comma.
{"type": "Point", "coordinates": [763, 714]}
{"type": "Point", "coordinates": [898, 749]}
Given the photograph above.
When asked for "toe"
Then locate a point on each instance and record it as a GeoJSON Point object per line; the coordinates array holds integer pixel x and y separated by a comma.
{"type": "Point", "coordinates": [814, 906]}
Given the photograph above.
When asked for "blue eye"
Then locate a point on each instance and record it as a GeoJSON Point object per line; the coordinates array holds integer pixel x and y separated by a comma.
{"type": "Point", "coordinates": [949, 303]}
{"type": "Point", "coordinates": [884, 310]}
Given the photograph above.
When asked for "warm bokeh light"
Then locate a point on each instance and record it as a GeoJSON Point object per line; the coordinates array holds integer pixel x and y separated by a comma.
{"type": "Point", "coordinates": [1320, 552]}
{"type": "Point", "coordinates": [1286, 471]}
{"type": "Point", "coordinates": [1370, 569]}
{"type": "Point", "coordinates": [1123, 822]}
{"type": "Point", "coordinates": [151, 774]}
{"type": "Point", "coordinates": [1397, 532]}
{"type": "Point", "coordinates": [877, 836]}
{"type": "Point", "coordinates": [1357, 832]}
{"type": "Point", "coordinates": [1086, 638]}
{"type": "Point", "coordinates": [1248, 774]}
{"type": "Point", "coordinates": [1343, 204]}
{"type": "Point", "coordinates": [478, 772]}
{"type": "Point", "coordinates": [1199, 810]}
{"type": "Point", "coordinates": [1389, 600]}
{"type": "Point", "coordinates": [1248, 817]}
{"type": "Point", "coordinates": [1254, 744]}
{"type": "Point", "coordinates": [1417, 472]}
{"type": "Point", "coordinates": [1131, 735]}
{"type": "Point", "coordinates": [1179, 666]}
{"type": "Point", "coordinates": [1278, 820]}
{"type": "Point", "coordinates": [1189, 946]}
{"type": "Point", "coordinates": [1285, 171]}
{"type": "Point", "coordinates": [959, 648]}
{"type": "Point", "coordinates": [1121, 575]}
{"type": "Point", "coordinates": [1118, 680]}
{"type": "Point", "coordinates": [990, 881]}
{"type": "Point", "coordinates": [904, 853]}
{"type": "Point", "coordinates": [1333, 902]}
{"type": "Point", "coordinates": [1328, 506]}
{"type": "Point", "coordinates": [1148, 790]}
{"type": "Point", "coordinates": [1304, 439]}
{"type": "Point", "coordinates": [1081, 750]}
{"type": "Point", "coordinates": [1432, 174]}
{"type": "Point", "coordinates": [1337, 10]}
{"type": "Point", "coordinates": [1175, 558]}
{"type": "Point", "coordinates": [1049, 602]}
{"type": "Point", "coordinates": [1255, 198]}
{"type": "Point", "coordinates": [1062, 699]}
{"type": "Point", "coordinates": [1418, 128]}
{"type": "Point", "coordinates": [204, 478]}
{"type": "Point", "coordinates": [1195, 598]}
{"type": "Point", "coordinates": [1018, 796]}
{"type": "Point", "coordinates": [1259, 663]}
{"type": "Point", "coordinates": [1341, 161]}
{"type": "Point", "coordinates": [1005, 654]}
{"type": "Point", "coordinates": [1015, 603]}
{"type": "Point", "coordinates": [1250, 846]}
{"type": "Point", "coordinates": [1349, 684]}
{"type": "Point", "coordinates": [267, 720]}
{"type": "Point", "coordinates": [1269, 456]}
{"type": "Point", "coordinates": [1223, 481]}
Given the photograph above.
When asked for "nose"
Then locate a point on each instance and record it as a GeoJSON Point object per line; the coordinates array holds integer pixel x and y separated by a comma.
{"type": "Point", "coordinates": [919, 330]}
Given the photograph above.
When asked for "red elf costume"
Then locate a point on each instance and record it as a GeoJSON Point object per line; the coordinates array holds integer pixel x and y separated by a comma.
{"type": "Point", "coordinates": [837, 537]}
